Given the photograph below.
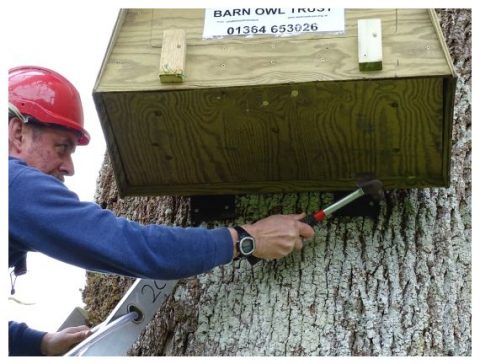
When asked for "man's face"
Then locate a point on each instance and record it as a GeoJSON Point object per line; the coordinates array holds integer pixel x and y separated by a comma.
{"type": "Point", "coordinates": [49, 150]}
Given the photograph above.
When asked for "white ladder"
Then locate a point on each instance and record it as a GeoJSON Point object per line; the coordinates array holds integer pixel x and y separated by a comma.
{"type": "Point", "coordinates": [116, 335]}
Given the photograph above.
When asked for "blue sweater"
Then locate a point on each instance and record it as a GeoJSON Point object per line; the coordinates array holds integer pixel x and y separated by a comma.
{"type": "Point", "coordinates": [47, 217]}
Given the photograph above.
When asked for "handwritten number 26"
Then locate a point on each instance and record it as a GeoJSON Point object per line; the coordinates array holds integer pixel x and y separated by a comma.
{"type": "Point", "coordinates": [155, 295]}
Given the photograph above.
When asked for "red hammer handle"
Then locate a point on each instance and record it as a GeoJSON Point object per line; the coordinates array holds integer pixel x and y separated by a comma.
{"type": "Point", "coordinates": [313, 219]}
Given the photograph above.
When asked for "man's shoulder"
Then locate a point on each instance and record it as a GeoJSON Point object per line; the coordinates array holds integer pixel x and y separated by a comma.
{"type": "Point", "coordinates": [12, 161]}
{"type": "Point", "coordinates": [23, 178]}
{"type": "Point", "coordinates": [15, 167]}
{"type": "Point", "coordinates": [19, 169]}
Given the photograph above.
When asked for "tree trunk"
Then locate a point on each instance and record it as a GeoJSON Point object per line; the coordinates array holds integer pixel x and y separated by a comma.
{"type": "Point", "coordinates": [396, 285]}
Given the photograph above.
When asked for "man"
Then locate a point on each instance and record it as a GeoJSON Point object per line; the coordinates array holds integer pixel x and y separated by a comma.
{"type": "Point", "coordinates": [45, 126]}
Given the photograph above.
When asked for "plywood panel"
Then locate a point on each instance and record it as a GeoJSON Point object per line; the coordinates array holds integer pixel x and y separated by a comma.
{"type": "Point", "coordinates": [412, 50]}
{"type": "Point", "coordinates": [275, 135]}
{"type": "Point", "coordinates": [276, 114]}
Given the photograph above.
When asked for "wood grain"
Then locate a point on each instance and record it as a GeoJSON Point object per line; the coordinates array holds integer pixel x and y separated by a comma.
{"type": "Point", "coordinates": [276, 114]}
{"type": "Point", "coordinates": [315, 134]}
{"type": "Point", "coordinates": [412, 50]}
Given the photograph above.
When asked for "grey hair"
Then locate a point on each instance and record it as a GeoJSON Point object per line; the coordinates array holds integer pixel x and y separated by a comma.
{"type": "Point", "coordinates": [14, 112]}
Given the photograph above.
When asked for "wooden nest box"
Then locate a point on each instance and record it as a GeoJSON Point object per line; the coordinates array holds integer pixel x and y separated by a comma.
{"type": "Point", "coordinates": [185, 115]}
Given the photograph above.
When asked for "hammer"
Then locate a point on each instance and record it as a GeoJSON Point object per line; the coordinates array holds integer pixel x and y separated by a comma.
{"type": "Point", "coordinates": [366, 186]}
{"type": "Point", "coordinates": [370, 187]}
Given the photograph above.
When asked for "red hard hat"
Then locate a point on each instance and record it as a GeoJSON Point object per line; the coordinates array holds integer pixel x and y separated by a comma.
{"type": "Point", "coordinates": [48, 97]}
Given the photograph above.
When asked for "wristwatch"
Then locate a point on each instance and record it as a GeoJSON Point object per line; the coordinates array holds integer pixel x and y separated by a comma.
{"type": "Point", "coordinates": [245, 244]}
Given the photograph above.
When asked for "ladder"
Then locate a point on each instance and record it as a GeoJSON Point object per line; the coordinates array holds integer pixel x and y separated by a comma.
{"type": "Point", "coordinates": [116, 335]}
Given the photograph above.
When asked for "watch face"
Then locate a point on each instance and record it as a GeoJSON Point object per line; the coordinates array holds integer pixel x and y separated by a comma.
{"type": "Point", "coordinates": [247, 245]}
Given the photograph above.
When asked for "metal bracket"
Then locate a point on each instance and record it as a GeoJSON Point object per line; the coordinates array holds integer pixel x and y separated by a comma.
{"type": "Point", "coordinates": [222, 207]}
{"type": "Point", "coordinates": [209, 208]}
{"type": "Point", "coordinates": [363, 206]}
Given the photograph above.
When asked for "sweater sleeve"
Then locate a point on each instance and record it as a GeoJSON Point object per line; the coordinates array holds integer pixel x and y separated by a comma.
{"type": "Point", "coordinates": [23, 341]}
{"type": "Point", "coordinates": [45, 216]}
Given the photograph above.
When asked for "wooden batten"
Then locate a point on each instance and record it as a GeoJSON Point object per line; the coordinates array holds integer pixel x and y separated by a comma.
{"type": "Point", "coordinates": [172, 59]}
{"type": "Point", "coordinates": [370, 44]}
{"type": "Point", "coordinates": [275, 114]}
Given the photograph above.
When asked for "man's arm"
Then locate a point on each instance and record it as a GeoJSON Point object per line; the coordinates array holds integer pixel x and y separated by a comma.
{"type": "Point", "coordinates": [46, 217]}
{"type": "Point", "coordinates": [24, 341]}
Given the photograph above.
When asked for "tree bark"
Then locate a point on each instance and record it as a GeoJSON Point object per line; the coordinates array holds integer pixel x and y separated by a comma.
{"type": "Point", "coordinates": [396, 285]}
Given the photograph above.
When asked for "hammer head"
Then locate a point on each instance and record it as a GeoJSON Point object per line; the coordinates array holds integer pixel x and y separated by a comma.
{"type": "Point", "coordinates": [372, 188]}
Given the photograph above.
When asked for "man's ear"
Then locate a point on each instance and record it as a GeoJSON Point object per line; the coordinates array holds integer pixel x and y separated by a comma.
{"type": "Point", "coordinates": [15, 135]}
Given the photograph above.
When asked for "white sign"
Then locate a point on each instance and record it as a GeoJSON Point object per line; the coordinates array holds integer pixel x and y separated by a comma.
{"type": "Point", "coordinates": [220, 23]}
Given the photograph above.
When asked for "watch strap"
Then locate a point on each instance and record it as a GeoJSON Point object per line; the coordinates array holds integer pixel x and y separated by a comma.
{"type": "Point", "coordinates": [253, 259]}
{"type": "Point", "coordinates": [241, 234]}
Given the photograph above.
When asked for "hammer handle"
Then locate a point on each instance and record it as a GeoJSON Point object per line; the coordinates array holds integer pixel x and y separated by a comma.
{"type": "Point", "coordinates": [313, 219]}
{"type": "Point", "coordinates": [322, 214]}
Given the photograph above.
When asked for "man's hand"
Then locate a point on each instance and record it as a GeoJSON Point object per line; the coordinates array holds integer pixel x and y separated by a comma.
{"type": "Point", "coordinates": [276, 236]}
{"type": "Point", "coordinates": [57, 343]}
